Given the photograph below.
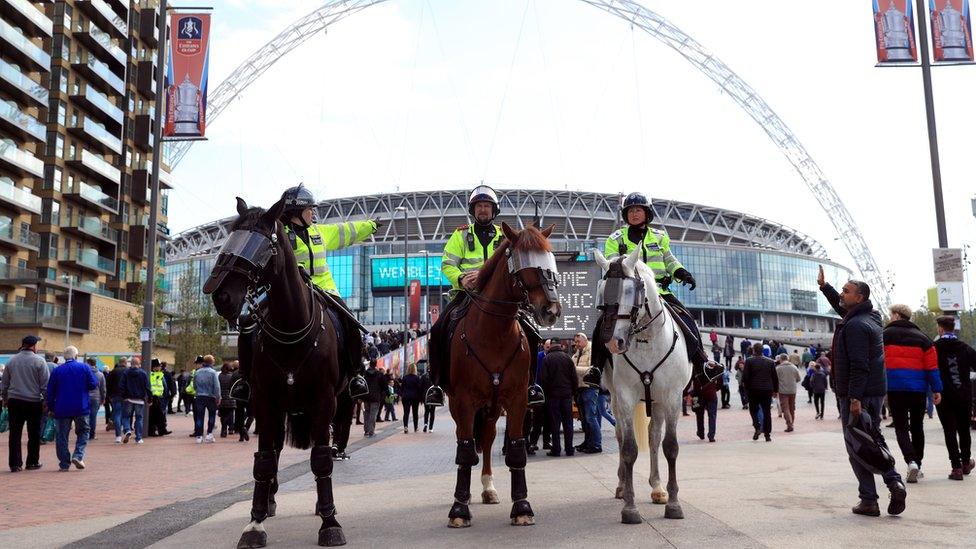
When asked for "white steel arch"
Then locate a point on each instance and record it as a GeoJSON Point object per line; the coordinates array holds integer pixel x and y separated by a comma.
{"type": "Point", "coordinates": [656, 26]}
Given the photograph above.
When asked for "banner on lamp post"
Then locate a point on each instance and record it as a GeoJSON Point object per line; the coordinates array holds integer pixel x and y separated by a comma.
{"type": "Point", "coordinates": [952, 32]}
{"type": "Point", "coordinates": [414, 293]}
{"type": "Point", "coordinates": [186, 76]}
{"type": "Point", "coordinates": [894, 31]}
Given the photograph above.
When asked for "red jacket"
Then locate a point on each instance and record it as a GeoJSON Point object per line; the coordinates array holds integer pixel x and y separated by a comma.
{"type": "Point", "coordinates": [911, 361]}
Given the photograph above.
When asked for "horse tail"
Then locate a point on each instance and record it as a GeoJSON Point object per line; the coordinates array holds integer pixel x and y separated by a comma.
{"type": "Point", "coordinates": [298, 431]}
{"type": "Point", "coordinates": [641, 422]}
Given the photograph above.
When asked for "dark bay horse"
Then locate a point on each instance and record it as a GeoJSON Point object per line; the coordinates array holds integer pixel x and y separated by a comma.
{"type": "Point", "coordinates": [294, 372]}
{"type": "Point", "coordinates": [490, 358]}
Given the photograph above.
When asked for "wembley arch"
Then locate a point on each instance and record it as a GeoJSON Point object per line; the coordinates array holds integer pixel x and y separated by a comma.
{"type": "Point", "coordinates": [747, 98]}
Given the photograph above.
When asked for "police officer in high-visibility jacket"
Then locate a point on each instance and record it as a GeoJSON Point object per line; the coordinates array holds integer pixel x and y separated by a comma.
{"type": "Point", "coordinates": [656, 253]}
{"type": "Point", "coordinates": [310, 242]}
{"type": "Point", "coordinates": [159, 390]}
{"type": "Point", "coordinates": [464, 254]}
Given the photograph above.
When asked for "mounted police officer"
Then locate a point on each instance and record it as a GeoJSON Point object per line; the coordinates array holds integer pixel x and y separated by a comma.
{"type": "Point", "coordinates": [655, 247]}
{"type": "Point", "coordinates": [465, 252]}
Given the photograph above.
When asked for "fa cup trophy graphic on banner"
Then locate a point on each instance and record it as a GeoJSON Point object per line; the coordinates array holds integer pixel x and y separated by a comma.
{"type": "Point", "coordinates": [896, 38]}
{"type": "Point", "coordinates": [187, 108]}
{"type": "Point", "coordinates": [953, 34]}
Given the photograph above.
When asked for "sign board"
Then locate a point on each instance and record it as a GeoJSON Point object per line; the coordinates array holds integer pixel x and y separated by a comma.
{"type": "Point", "coordinates": [952, 33]}
{"type": "Point", "coordinates": [894, 31]}
{"type": "Point", "coordinates": [145, 334]}
{"type": "Point", "coordinates": [947, 263]}
{"type": "Point", "coordinates": [387, 272]}
{"type": "Point", "coordinates": [577, 297]}
{"type": "Point", "coordinates": [951, 296]}
{"type": "Point", "coordinates": [186, 76]}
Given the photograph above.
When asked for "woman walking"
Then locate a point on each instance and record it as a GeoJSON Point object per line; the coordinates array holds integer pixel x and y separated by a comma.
{"type": "Point", "coordinates": [410, 395]}
{"type": "Point", "coordinates": [818, 387]}
{"type": "Point", "coordinates": [227, 404]}
{"type": "Point", "coordinates": [729, 352]}
{"type": "Point", "coordinates": [762, 384]}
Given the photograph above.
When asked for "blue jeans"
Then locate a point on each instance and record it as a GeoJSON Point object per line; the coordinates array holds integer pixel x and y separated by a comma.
{"type": "Point", "coordinates": [130, 409]}
{"type": "Point", "coordinates": [201, 403]}
{"type": "Point", "coordinates": [711, 408]}
{"type": "Point", "coordinates": [93, 405]}
{"type": "Point", "coordinates": [81, 439]}
{"type": "Point", "coordinates": [591, 398]}
{"type": "Point", "coordinates": [605, 410]}
{"type": "Point", "coordinates": [866, 488]}
{"type": "Point", "coordinates": [117, 415]}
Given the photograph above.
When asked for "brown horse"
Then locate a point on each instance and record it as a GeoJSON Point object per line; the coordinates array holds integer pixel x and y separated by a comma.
{"type": "Point", "coordinates": [490, 356]}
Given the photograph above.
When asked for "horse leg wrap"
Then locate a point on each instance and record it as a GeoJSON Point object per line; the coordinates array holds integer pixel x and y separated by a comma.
{"type": "Point", "coordinates": [265, 469]}
{"type": "Point", "coordinates": [467, 456]}
{"type": "Point", "coordinates": [520, 507]}
{"type": "Point", "coordinates": [516, 456]}
{"type": "Point", "coordinates": [462, 494]}
{"type": "Point", "coordinates": [321, 464]}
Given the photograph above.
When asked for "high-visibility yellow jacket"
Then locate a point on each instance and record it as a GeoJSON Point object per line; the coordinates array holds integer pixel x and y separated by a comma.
{"type": "Point", "coordinates": [656, 252]}
{"type": "Point", "coordinates": [156, 383]}
{"type": "Point", "coordinates": [464, 253]}
{"type": "Point", "coordinates": [323, 238]}
{"type": "Point", "coordinates": [191, 389]}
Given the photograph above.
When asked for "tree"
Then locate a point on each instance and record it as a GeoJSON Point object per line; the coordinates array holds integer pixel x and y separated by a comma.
{"type": "Point", "coordinates": [196, 328]}
{"type": "Point", "coordinates": [160, 298]}
{"type": "Point", "coordinates": [925, 320]}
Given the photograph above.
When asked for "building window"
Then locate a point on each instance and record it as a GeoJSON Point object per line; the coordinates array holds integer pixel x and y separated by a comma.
{"type": "Point", "coordinates": [59, 146]}
{"type": "Point", "coordinates": [62, 112]}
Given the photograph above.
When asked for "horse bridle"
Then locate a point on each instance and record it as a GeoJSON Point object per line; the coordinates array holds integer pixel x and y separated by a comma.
{"type": "Point", "coordinates": [518, 262]}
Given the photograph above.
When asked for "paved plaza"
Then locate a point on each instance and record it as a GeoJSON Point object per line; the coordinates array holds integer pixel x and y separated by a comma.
{"type": "Point", "coordinates": [396, 490]}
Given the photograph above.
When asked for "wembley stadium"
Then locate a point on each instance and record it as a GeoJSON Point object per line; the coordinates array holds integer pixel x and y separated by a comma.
{"type": "Point", "coordinates": [754, 275]}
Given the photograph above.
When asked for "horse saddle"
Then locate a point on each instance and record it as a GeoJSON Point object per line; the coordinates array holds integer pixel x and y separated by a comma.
{"type": "Point", "coordinates": [683, 318]}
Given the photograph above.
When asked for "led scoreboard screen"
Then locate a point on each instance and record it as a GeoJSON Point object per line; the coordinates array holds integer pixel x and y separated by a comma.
{"type": "Point", "coordinates": [577, 297]}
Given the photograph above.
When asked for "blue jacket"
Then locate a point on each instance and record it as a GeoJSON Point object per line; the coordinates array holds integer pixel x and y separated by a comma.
{"type": "Point", "coordinates": [135, 384]}
{"type": "Point", "coordinates": [67, 389]}
{"type": "Point", "coordinates": [207, 382]}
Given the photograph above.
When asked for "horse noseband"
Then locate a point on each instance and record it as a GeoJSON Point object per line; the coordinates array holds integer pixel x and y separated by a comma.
{"type": "Point", "coordinates": [246, 253]}
{"type": "Point", "coordinates": [614, 290]}
{"type": "Point", "coordinates": [542, 262]}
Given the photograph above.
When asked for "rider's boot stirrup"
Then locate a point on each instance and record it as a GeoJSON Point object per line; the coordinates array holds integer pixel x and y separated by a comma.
{"type": "Point", "coordinates": [358, 387]}
{"type": "Point", "coordinates": [434, 396]}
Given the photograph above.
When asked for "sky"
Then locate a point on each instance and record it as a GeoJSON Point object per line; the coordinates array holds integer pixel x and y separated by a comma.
{"type": "Point", "coordinates": [416, 95]}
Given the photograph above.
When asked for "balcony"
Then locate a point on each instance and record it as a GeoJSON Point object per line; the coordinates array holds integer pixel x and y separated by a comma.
{"type": "Point", "coordinates": [11, 275]}
{"type": "Point", "coordinates": [22, 162]}
{"type": "Point", "coordinates": [16, 83]}
{"type": "Point", "coordinates": [17, 122]}
{"type": "Point", "coordinates": [148, 30]}
{"type": "Point", "coordinates": [144, 137]}
{"type": "Point", "coordinates": [88, 259]}
{"type": "Point", "coordinates": [27, 17]}
{"type": "Point", "coordinates": [105, 17]}
{"type": "Point", "coordinates": [102, 44]}
{"type": "Point", "coordinates": [146, 78]}
{"type": "Point", "coordinates": [90, 195]}
{"type": "Point", "coordinates": [98, 73]}
{"type": "Point", "coordinates": [96, 166]}
{"type": "Point", "coordinates": [12, 234]}
{"type": "Point", "coordinates": [20, 47]}
{"type": "Point", "coordinates": [17, 197]}
{"type": "Point", "coordinates": [92, 227]}
{"type": "Point", "coordinates": [100, 107]}
{"type": "Point", "coordinates": [31, 313]}
{"type": "Point", "coordinates": [96, 134]}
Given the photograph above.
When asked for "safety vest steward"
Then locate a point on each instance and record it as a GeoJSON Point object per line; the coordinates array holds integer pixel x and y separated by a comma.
{"type": "Point", "coordinates": [464, 253]}
{"type": "Point", "coordinates": [156, 383]}
{"type": "Point", "coordinates": [323, 238]}
{"type": "Point", "coordinates": [191, 389]}
{"type": "Point", "coordinates": [656, 252]}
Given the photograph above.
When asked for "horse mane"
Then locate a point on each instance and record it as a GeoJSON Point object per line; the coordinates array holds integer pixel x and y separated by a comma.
{"type": "Point", "coordinates": [529, 240]}
{"type": "Point", "coordinates": [248, 219]}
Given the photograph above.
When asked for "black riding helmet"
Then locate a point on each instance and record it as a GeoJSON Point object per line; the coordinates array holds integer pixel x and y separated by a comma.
{"type": "Point", "coordinates": [862, 438]}
{"type": "Point", "coordinates": [636, 199]}
{"type": "Point", "coordinates": [297, 200]}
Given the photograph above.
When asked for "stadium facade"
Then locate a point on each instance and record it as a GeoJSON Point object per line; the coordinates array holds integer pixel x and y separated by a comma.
{"type": "Point", "coordinates": [752, 273]}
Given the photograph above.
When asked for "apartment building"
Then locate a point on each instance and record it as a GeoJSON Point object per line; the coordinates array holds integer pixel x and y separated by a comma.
{"type": "Point", "coordinates": [77, 108]}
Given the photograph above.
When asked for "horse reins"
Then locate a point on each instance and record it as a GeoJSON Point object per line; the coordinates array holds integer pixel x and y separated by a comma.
{"type": "Point", "coordinates": [496, 377]}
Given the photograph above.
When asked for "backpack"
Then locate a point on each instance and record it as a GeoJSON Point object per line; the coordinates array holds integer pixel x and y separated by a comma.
{"type": "Point", "coordinates": [191, 389]}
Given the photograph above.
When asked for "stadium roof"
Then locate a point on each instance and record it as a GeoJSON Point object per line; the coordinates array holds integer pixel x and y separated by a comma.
{"type": "Point", "coordinates": [578, 215]}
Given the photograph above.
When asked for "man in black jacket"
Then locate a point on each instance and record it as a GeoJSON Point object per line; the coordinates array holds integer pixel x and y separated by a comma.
{"type": "Point", "coordinates": [956, 361]}
{"type": "Point", "coordinates": [761, 382]}
{"type": "Point", "coordinates": [859, 372]}
{"type": "Point", "coordinates": [559, 381]}
{"type": "Point", "coordinates": [376, 382]}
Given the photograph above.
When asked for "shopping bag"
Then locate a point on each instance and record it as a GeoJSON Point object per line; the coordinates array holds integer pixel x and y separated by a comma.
{"type": "Point", "coordinates": [50, 430]}
{"type": "Point", "coordinates": [4, 421]}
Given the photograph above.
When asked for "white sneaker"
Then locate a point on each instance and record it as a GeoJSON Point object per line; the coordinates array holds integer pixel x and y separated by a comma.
{"type": "Point", "coordinates": [199, 440]}
{"type": "Point", "coordinates": [118, 440]}
{"type": "Point", "coordinates": [913, 473]}
{"type": "Point", "coordinates": [140, 441]}
{"type": "Point", "coordinates": [210, 437]}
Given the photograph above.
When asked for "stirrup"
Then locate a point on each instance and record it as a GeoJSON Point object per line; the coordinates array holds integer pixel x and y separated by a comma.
{"type": "Point", "coordinates": [592, 377]}
{"type": "Point", "coordinates": [536, 396]}
{"type": "Point", "coordinates": [358, 387]}
{"type": "Point", "coordinates": [434, 396]}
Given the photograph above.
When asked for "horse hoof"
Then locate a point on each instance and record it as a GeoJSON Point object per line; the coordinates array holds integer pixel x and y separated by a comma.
{"type": "Point", "coordinates": [252, 539]}
{"type": "Point", "coordinates": [272, 509]}
{"type": "Point", "coordinates": [631, 516]}
{"type": "Point", "coordinates": [619, 494]}
{"type": "Point", "coordinates": [331, 537]}
{"type": "Point", "coordinates": [673, 511]}
{"type": "Point", "coordinates": [459, 523]}
{"type": "Point", "coordinates": [659, 498]}
{"type": "Point", "coordinates": [525, 520]}
{"type": "Point", "coordinates": [489, 497]}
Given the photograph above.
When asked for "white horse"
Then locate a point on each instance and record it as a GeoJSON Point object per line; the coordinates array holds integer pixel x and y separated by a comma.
{"type": "Point", "coordinates": [645, 339]}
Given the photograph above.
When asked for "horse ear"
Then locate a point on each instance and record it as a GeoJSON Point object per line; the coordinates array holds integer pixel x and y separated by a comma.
{"type": "Point", "coordinates": [241, 206]}
{"type": "Point", "coordinates": [548, 230]}
{"type": "Point", "coordinates": [274, 213]}
{"type": "Point", "coordinates": [510, 233]}
{"type": "Point", "coordinates": [630, 262]}
{"type": "Point", "coordinates": [601, 260]}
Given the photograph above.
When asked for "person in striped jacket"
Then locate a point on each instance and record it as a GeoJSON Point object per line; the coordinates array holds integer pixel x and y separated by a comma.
{"type": "Point", "coordinates": [912, 369]}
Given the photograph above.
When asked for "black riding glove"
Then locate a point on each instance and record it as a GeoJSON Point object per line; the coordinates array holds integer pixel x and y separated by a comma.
{"type": "Point", "coordinates": [685, 277]}
{"type": "Point", "coordinates": [664, 282]}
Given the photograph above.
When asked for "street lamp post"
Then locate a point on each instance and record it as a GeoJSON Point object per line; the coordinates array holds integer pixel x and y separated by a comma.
{"type": "Point", "coordinates": [427, 288]}
{"type": "Point", "coordinates": [406, 281]}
